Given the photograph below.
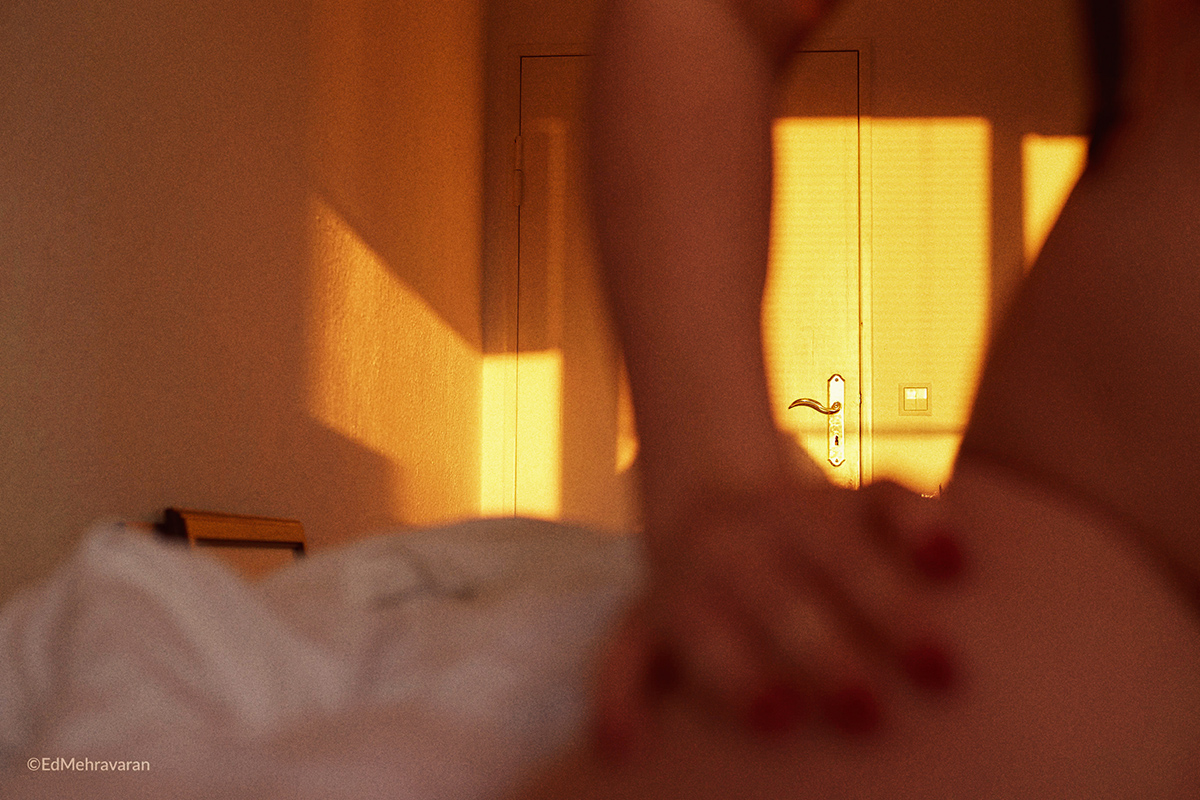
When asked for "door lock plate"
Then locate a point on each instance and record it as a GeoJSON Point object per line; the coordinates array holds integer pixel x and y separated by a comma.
{"type": "Point", "coordinates": [837, 421]}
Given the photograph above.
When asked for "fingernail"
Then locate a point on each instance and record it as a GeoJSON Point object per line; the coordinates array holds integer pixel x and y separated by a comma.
{"type": "Point", "coordinates": [929, 666]}
{"type": "Point", "coordinates": [854, 710]}
{"type": "Point", "coordinates": [939, 556]}
{"type": "Point", "coordinates": [612, 742]}
{"type": "Point", "coordinates": [777, 711]}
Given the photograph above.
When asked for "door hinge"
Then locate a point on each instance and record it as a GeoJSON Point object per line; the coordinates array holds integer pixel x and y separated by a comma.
{"type": "Point", "coordinates": [518, 178]}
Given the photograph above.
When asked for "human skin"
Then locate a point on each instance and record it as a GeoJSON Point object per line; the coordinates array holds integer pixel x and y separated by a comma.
{"type": "Point", "coordinates": [1081, 682]}
{"type": "Point", "coordinates": [744, 560]}
{"type": "Point", "coordinates": [1093, 381]}
{"type": "Point", "coordinates": [1088, 397]}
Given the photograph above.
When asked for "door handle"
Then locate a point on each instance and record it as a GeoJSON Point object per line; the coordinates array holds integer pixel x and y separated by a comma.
{"type": "Point", "coordinates": [816, 406]}
{"type": "Point", "coordinates": [836, 414]}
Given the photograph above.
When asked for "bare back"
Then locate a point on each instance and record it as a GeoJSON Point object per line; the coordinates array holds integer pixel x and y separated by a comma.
{"type": "Point", "coordinates": [1081, 682]}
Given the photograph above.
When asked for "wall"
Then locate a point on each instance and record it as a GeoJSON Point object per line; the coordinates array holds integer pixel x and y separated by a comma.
{"type": "Point", "coordinates": [398, 159]}
{"type": "Point", "coordinates": [218, 220]}
{"type": "Point", "coordinates": [953, 89]}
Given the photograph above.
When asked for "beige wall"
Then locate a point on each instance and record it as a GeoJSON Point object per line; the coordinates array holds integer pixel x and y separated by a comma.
{"type": "Point", "coordinates": [240, 241]}
{"type": "Point", "coordinates": [951, 89]}
{"type": "Point", "coordinates": [954, 87]}
{"type": "Point", "coordinates": [218, 220]}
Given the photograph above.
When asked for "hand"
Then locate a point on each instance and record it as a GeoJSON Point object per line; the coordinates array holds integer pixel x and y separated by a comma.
{"type": "Point", "coordinates": [776, 607]}
{"type": "Point", "coordinates": [764, 599]}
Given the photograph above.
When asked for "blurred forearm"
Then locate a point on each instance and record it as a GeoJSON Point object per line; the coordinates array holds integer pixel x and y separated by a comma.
{"type": "Point", "coordinates": [681, 162]}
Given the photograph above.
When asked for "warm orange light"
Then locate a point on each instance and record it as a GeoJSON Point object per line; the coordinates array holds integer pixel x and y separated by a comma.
{"type": "Point", "coordinates": [930, 287]}
{"type": "Point", "coordinates": [387, 372]}
{"type": "Point", "coordinates": [498, 424]}
{"type": "Point", "coordinates": [810, 307]}
{"type": "Point", "coordinates": [521, 465]}
{"type": "Point", "coordinates": [627, 439]}
{"type": "Point", "coordinates": [914, 291]}
{"type": "Point", "coordinates": [539, 434]}
{"type": "Point", "coordinates": [1051, 166]}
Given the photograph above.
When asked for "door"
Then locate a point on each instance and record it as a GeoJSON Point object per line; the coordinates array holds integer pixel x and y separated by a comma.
{"type": "Point", "coordinates": [811, 310]}
{"type": "Point", "coordinates": [575, 447]}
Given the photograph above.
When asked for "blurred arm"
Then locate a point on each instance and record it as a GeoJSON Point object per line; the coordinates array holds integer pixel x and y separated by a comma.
{"type": "Point", "coordinates": [681, 159]}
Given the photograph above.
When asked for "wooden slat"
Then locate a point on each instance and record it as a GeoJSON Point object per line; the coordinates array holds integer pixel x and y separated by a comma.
{"type": "Point", "coordinates": [254, 546]}
{"type": "Point", "coordinates": [207, 527]}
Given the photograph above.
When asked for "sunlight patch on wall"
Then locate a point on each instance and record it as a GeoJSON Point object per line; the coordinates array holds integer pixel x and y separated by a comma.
{"type": "Point", "coordinates": [387, 372]}
{"type": "Point", "coordinates": [521, 459]}
{"type": "Point", "coordinates": [814, 246]}
{"type": "Point", "coordinates": [931, 277]}
{"type": "Point", "coordinates": [498, 424]}
{"type": "Point", "coordinates": [1051, 166]}
{"type": "Point", "coordinates": [810, 304]}
{"type": "Point", "coordinates": [627, 438]}
{"type": "Point", "coordinates": [539, 434]}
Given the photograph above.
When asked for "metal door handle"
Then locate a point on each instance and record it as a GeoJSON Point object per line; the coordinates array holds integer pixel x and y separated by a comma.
{"type": "Point", "coordinates": [816, 406]}
{"type": "Point", "coordinates": [837, 419]}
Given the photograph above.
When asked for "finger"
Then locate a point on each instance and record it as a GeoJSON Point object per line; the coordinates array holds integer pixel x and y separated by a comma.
{"type": "Point", "coordinates": [848, 600]}
{"type": "Point", "coordinates": [896, 621]}
{"type": "Point", "coordinates": [730, 668]}
{"type": "Point", "coordinates": [794, 657]}
{"type": "Point", "coordinates": [826, 662]}
{"type": "Point", "coordinates": [623, 704]}
{"type": "Point", "coordinates": [807, 667]}
{"type": "Point", "coordinates": [921, 530]}
{"type": "Point", "coordinates": [888, 614]}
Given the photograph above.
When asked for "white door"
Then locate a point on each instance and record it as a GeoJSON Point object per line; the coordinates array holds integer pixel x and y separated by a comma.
{"type": "Point", "coordinates": [812, 306]}
{"type": "Point", "coordinates": [574, 436]}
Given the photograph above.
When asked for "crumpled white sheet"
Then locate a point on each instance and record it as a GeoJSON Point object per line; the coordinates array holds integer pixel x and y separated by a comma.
{"type": "Point", "coordinates": [431, 664]}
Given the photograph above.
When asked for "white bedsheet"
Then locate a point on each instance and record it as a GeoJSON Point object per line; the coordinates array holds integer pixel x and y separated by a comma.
{"type": "Point", "coordinates": [431, 664]}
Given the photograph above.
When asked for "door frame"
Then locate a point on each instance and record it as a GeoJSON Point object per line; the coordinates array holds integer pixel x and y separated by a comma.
{"type": "Point", "coordinates": [866, 377]}
{"type": "Point", "coordinates": [865, 52]}
{"type": "Point", "coordinates": [500, 267]}
{"type": "Point", "coordinates": [500, 270]}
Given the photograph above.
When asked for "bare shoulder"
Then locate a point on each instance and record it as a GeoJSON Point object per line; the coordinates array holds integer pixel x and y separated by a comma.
{"type": "Point", "coordinates": [1081, 681]}
{"type": "Point", "coordinates": [1093, 379]}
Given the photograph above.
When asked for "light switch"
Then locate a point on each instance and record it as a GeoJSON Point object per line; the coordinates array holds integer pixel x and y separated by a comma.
{"type": "Point", "coordinates": [914, 398]}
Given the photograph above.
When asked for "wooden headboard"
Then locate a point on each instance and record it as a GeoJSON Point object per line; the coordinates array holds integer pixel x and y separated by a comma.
{"type": "Point", "coordinates": [254, 546]}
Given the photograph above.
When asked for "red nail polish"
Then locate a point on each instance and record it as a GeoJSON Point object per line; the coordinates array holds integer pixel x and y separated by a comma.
{"type": "Point", "coordinates": [777, 711]}
{"type": "Point", "coordinates": [929, 666]}
{"type": "Point", "coordinates": [854, 710]}
{"type": "Point", "coordinates": [939, 556]}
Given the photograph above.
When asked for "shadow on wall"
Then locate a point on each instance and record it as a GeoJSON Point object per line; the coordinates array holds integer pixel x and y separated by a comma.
{"type": "Point", "coordinates": [397, 104]}
{"type": "Point", "coordinates": [158, 282]}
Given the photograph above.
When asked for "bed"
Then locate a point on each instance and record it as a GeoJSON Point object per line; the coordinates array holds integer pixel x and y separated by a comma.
{"type": "Point", "coordinates": [414, 664]}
